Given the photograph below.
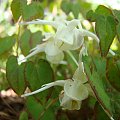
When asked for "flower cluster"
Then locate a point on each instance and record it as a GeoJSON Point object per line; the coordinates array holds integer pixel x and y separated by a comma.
{"type": "Point", "coordinates": [69, 35]}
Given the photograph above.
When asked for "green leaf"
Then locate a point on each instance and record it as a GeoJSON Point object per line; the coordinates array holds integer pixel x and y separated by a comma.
{"type": "Point", "coordinates": [115, 101]}
{"type": "Point", "coordinates": [66, 6]}
{"type": "Point", "coordinates": [34, 107]}
{"type": "Point", "coordinates": [49, 114]}
{"type": "Point", "coordinates": [98, 81]}
{"type": "Point", "coordinates": [116, 13]}
{"type": "Point", "coordinates": [38, 74]}
{"type": "Point", "coordinates": [16, 8]}
{"type": "Point", "coordinates": [28, 12]}
{"type": "Point", "coordinates": [113, 72]}
{"type": "Point", "coordinates": [6, 44]}
{"type": "Point", "coordinates": [105, 27]}
{"type": "Point", "coordinates": [23, 116]}
{"type": "Point", "coordinates": [99, 113]}
{"type": "Point", "coordinates": [106, 31]}
{"type": "Point", "coordinates": [102, 10]}
{"type": "Point", "coordinates": [15, 75]}
{"type": "Point", "coordinates": [29, 40]}
{"type": "Point", "coordinates": [75, 9]}
{"type": "Point", "coordinates": [91, 16]}
{"type": "Point", "coordinates": [32, 11]}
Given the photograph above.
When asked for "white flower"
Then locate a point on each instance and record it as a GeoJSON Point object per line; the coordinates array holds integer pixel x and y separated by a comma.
{"type": "Point", "coordinates": [67, 103]}
{"type": "Point", "coordinates": [67, 32]}
{"type": "Point", "coordinates": [83, 52]}
{"type": "Point", "coordinates": [74, 90]}
{"type": "Point", "coordinates": [67, 37]}
{"type": "Point", "coordinates": [53, 53]}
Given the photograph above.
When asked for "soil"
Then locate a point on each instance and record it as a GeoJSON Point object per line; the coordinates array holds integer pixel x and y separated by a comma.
{"type": "Point", "coordinates": [11, 107]}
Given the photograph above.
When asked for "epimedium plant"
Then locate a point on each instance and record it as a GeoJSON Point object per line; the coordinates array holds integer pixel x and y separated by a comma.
{"type": "Point", "coordinates": [61, 56]}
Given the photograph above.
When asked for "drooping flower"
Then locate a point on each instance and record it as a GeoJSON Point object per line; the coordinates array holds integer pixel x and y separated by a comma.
{"type": "Point", "coordinates": [67, 103]}
{"type": "Point", "coordinates": [74, 90]}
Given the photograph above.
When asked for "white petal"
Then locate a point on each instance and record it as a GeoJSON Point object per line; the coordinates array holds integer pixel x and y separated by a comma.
{"type": "Point", "coordinates": [67, 103]}
{"type": "Point", "coordinates": [90, 34]}
{"type": "Point", "coordinates": [75, 90]}
{"type": "Point", "coordinates": [70, 34]}
{"type": "Point", "coordinates": [79, 74]}
{"type": "Point", "coordinates": [72, 24]}
{"type": "Point", "coordinates": [63, 46]}
{"type": "Point", "coordinates": [64, 34]}
{"type": "Point", "coordinates": [90, 89]}
{"type": "Point", "coordinates": [79, 25]}
{"type": "Point", "coordinates": [48, 36]}
{"type": "Point", "coordinates": [21, 59]}
{"type": "Point", "coordinates": [34, 51]}
{"type": "Point", "coordinates": [51, 49]}
{"type": "Point", "coordinates": [83, 52]}
{"type": "Point", "coordinates": [45, 87]}
{"type": "Point", "coordinates": [55, 59]}
{"type": "Point", "coordinates": [78, 40]}
{"type": "Point", "coordinates": [56, 83]}
{"type": "Point", "coordinates": [61, 18]}
{"type": "Point", "coordinates": [41, 22]}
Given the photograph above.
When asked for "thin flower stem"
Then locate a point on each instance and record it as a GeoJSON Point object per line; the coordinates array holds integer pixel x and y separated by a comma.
{"type": "Point", "coordinates": [73, 58]}
{"type": "Point", "coordinates": [41, 22]}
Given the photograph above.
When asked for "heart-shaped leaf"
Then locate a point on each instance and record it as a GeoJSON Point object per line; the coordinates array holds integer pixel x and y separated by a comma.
{"type": "Point", "coordinates": [15, 75]}
{"type": "Point", "coordinates": [106, 31]}
{"type": "Point", "coordinates": [32, 11]}
{"type": "Point", "coordinates": [38, 74]}
{"type": "Point", "coordinates": [102, 10]}
{"type": "Point", "coordinates": [75, 9]}
{"type": "Point", "coordinates": [105, 27]}
{"type": "Point", "coordinates": [66, 6]}
{"type": "Point", "coordinates": [16, 8]}
{"type": "Point", "coordinates": [28, 12]}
